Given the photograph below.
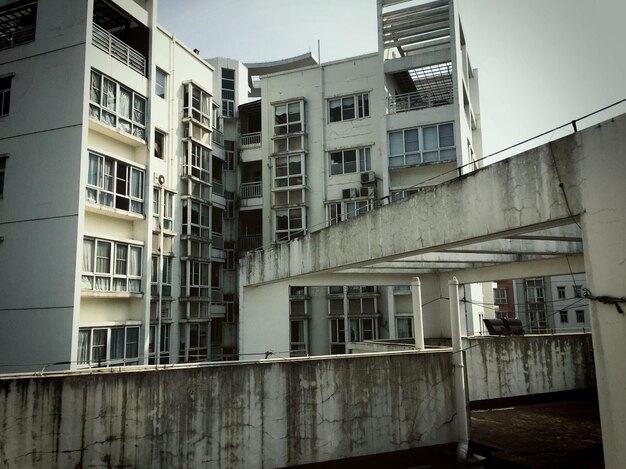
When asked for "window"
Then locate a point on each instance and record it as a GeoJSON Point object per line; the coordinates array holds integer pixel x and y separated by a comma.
{"type": "Point", "coordinates": [404, 327]}
{"type": "Point", "coordinates": [288, 144]}
{"type": "Point", "coordinates": [580, 316]}
{"type": "Point", "coordinates": [578, 291]}
{"type": "Point", "coordinates": [160, 83]}
{"type": "Point", "coordinates": [166, 279]}
{"type": "Point", "coordinates": [116, 106]}
{"type": "Point", "coordinates": [3, 163]}
{"type": "Point", "coordinates": [289, 224]}
{"type": "Point", "coordinates": [563, 315]}
{"type": "Point", "coordinates": [110, 266]}
{"type": "Point", "coordinates": [348, 107]}
{"type": "Point", "coordinates": [228, 92]}
{"type": "Point", "coordinates": [560, 291]}
{"type": "Point", "coordinates": [337, 336]}
{"type": "Point", "coordinates": [499, 296]}
{"type": "Point", "coordinates": [164, 345]}
{"type": "Point", "coordinates": [534, 291]}
{"type": "Point", "coordinates": [194, 342]}
{"type": "Point", "coordinates": [229, 213]}
{"type": "Point", "coordinates": [340, 211]}
{"type": "Point", "coordinates": [288, 118]}
{"type": "Point", "coordinates": [229, 155]}
{"type": "Point", "coordinates": [362, 329]}
{"type": "Point", "coordinates": [298, 338]}
{"type": "Point", "coordinates": [197, 105]}
{"type": "Point", "coordinates": [197, 283]}
{"type": "Point", "coordinates": [114, 184]}
{"type": "Point", "coordinates": [17, 23]}
{"type": "Point", "coordinates": [5, 95]}
{"type": "Point", "coordinates": [108, 346]}
{"type": "Point", "coordinates": [289, 171]}
{"type": "Point", "coordinates": [350, 161]}
{"type": "Point", "coordinates": [437, 145]}
{"type": "Point", "coordinates": [168, 213]}
{"type": "Point", "coordinates": [229, 249]}
{"type": "Point", "coordinates": [196, 219]}
{"type": "Point", "coordinates": [159, 144]}
{"type": "Point", "coordinates": [397, 195]}
{"type": "Point", "coordinates": [197, 161]}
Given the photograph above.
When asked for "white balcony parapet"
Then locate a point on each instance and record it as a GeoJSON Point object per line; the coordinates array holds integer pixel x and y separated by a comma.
{"type": "Point", "coordinates": [249, 190]}
{"type": "Point", "coordinates": [419, 100]}
{"type": "Point", "coordinates": [117, 49]}
{"type": "Point", "coordinates": [251, 140]}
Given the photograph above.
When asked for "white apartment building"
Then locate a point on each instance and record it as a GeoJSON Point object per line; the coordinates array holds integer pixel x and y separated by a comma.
{"type": "Point", "coordinates": [339, 139]}
{"type": "Point", "coordinates": [133, 174]}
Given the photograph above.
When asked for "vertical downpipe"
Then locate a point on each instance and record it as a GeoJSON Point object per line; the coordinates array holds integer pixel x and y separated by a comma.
{"type": "Point", "coordinates": [418, 320]}
{"type": "Point", "coordinates": [459, 371]}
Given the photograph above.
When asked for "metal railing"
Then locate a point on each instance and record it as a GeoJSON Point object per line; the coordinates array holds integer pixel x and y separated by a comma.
{"type": "Point", "coordinates": [250, 242]}
{"type": "Point", "coordinates": [251, 140]}
{"type": "Point", "coordinates": [117, 49]}
{"type": "Point", "coordinates": [248, 190]}
{"type": "Point", "coordinates": [419, 100]}
{"type": "Point", "coordinates": [217, 137]}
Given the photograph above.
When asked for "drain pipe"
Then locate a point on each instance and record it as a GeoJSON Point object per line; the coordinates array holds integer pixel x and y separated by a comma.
{"type": "Point", "coordinates": [418, 321]}
{"type": "Point", "coordinates": [459, 371]}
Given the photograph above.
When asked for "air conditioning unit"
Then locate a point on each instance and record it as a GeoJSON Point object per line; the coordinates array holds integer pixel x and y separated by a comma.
{"type": "Point", "coordinates": [368, 177]}
{"type": "Point", "coordinates": [368, 191]}
{"type": "Point", "coordinates": [350, 193]}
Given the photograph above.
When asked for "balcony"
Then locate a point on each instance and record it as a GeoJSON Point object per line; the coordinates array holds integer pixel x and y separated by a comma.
{"type": "Point", "coordinates": [250, 242]}
{"type": "Point", "coordinates": [418, 100]}
{"type": "Point", "coordinates": [117, 49]}
{"type": "Point", "coordinates": [251, 140]}
{"type": "Point", "coordinates": [250, 190]}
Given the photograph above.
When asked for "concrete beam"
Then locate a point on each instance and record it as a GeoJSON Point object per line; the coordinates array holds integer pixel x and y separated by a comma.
{"type": "Point", "coordinates": [457, 213]}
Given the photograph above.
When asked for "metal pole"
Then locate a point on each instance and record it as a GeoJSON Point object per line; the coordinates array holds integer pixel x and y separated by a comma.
{"type": "Point", "coordinates": [157, 334]}
{"type": "Point", "coordinates": [346, 320]}
{"type": "Point", "coordinates": [418, 319]}
{"type": "Point", "coordinates": [459, 370]}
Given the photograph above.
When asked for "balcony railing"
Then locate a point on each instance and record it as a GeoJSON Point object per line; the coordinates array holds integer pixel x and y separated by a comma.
{"type": "Point", "coordinates": [217, 137]}
{"type": "Point", "coordinates": [419, 100]}
{"type": "Point", "coordinates": [249, 190]}
{"type": "Point", "coordinates": [250, 242]}
{"type": "Point", "coordinates": [251, 140]}
{"type": "Point", "coordinates": [117, 49]}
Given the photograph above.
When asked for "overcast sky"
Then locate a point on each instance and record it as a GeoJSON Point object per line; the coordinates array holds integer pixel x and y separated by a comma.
{"type": "Point", "coordinates": [541, 62]}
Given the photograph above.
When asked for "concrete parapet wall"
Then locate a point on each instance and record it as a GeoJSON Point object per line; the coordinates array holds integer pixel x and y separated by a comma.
{"type": "Point", "coordinates": [267, 414]}
{"type": "Point", "coordinates": [500, 367]}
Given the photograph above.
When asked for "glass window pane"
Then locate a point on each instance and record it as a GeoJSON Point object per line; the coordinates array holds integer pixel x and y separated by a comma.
{"type": "Point", "coordinates": [349, 161]}
{"type": "Point", "coordinates": [280, 114]}
{"type": "Point", "coordinates": [410, 140]}
{"type": "Point", "coordinates": [117, 343]}
{"type": "Point", "coordinates": [446, 135]}
{"type": "Point", "coordinates": [348, 107]}
{"type": "Point", "coordinates": [431, 141]}
{"type": "Point", "coordinates": [334, 107]}
{"type": "Point", "coordinates": [396, 146]}
{"type": "Point", "coordinates": [294, 112]}
{"type": "Point", "coordinates": [336, 163]}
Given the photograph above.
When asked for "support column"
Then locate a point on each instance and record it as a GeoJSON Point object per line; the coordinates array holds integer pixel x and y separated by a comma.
{"type": "Point", "coordinates": [418, 319]}
{"type": "Point", "coordinates": [459, 370]}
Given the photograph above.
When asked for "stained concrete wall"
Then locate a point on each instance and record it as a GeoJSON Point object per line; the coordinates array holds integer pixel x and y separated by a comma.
{"type": "Point", "coordinates": [499, 367]}
{"type": "Point", "coordinates": [267, 414]}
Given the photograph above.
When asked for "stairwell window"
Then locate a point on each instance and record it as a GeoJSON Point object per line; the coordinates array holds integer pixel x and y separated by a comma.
{"type": "Point", "coordinates": [115, 184]}
{"type": "Point", "coordinates": [348, 107]}
{"type": "Point", "coordinates": [160, 83]}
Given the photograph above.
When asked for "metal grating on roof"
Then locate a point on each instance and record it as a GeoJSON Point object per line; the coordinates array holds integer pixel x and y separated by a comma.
{"type": "Point", "coordinates": [415, 27]}
{"type": "Point", "coordinates": [434, 83]}
{"type": "Point", "coordinates": [17, 24]}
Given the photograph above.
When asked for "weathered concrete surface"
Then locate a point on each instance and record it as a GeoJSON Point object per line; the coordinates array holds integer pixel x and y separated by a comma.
{"type": "Point", "coordinates": [501, 367]}
{"type": "Point", "coordinates": [458, 212]}
{"type": "Point", "coordinates": [248, 415]}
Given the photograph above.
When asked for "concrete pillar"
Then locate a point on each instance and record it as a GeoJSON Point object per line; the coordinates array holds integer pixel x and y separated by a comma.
{"type": "Point", "coordinates": [459, 370]}
{"type": "Point", "coordinates": [418, 319]}
{"type": "Point", "coordinates": [604, 224]}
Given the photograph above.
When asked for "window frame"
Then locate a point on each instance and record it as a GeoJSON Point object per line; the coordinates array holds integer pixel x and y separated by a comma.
{"type": "Point", "coordinates": [359, 109]}
{"type": "Point", "coordinates": [109, 274]}
{"type": "Point", "coordinates": [290, 232]}
{"type": "Point", "coordinates": [362, 161]}
{"type": "Point", "coordinates": [297, 179]}
{"type": "Point", "coordinates": [160, 144]}
{"type": "Point", "coordinates": [564, 316]}
{"type": "Point", "coordinates": [409, 156]}
{"type": "Point", "coordinates": [126, 360]}
{"type": "Point", "coordinates": [201, 228]}
{"type": "Point", "coordinates": [289, 126]}
{"type": "Point", "coordinates": [340, 210]}
{"type": "Point", "coordinates": [197, 162]}
{"type": "Point", "coordinates": [560, 292]}
{"type": "Point", "coordinates": [5, 95]}
{"type": "Point", "coordinates": [99, 194]}
{"type": "Point", "coordinates": [580, 316]}
{"type": "Point", "coordinates": [197, 105]}
{"type": "Point", "coordinates": [106, 108]}
{"type": "Point", "coordinates": [168, 205]}
{"type": "Point", "coordinates": [160, 83]}
{"type": "Point", "coordinates": [500, 296]}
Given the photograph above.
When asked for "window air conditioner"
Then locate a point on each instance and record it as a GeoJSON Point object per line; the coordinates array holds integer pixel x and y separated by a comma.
{"type": "Point", "coordinates": [368, 177]}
